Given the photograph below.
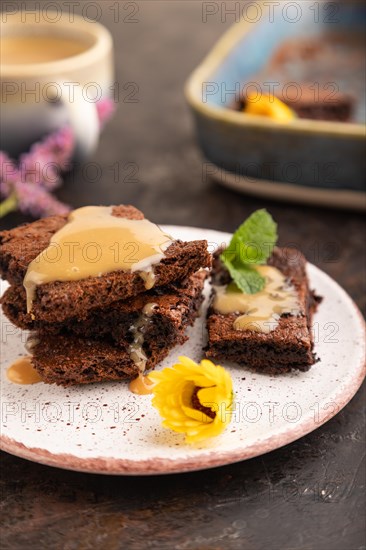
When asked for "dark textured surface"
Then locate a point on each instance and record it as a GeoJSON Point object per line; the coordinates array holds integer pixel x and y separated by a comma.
{"type": "Point", "coordinates": [306, 496]}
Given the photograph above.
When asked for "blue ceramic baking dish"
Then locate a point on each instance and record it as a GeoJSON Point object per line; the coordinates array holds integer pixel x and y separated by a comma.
{"type": "Point", "coordinates": [302, 160]}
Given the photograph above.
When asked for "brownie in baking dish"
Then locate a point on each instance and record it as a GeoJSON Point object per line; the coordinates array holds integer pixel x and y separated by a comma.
{"type": "Point", "coordinates": [337, 109]}
{"type": "Point", "coordinates": [289, 346]}
{"type": "Point", "coordinates": [60, 300]}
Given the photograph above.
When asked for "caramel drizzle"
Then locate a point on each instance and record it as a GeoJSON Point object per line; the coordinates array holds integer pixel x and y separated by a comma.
{"type": "Point", "coordinates": [93, 243]}
{"type": "Point", "coordinates": [262, 310]}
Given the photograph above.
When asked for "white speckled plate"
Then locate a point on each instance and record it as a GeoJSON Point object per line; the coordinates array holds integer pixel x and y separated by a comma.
{"type": "Point", "coordinates": [104, 428]}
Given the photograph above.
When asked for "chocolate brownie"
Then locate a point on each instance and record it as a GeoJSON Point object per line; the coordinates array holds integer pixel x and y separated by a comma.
{"type": "Point", "coordinates": [172, 305]}
{"type": "Point", "coordinates": [70, 360]}
{"type": "Point", "coordinates": [79, 354]}
{"type": "Point", "coordinates": [289, 346]}
{"type": "Point", "coordinates": [337, 109]}
{"type": "Point", "coordinates": [58, 301]}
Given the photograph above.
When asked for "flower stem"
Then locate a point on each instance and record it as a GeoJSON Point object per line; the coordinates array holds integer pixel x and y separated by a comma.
{"type": "Point", "coordinates": [8, 205]}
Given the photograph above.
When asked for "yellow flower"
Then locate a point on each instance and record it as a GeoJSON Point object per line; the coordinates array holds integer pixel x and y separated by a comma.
{"type": "Point", "coordinates": [268, 106]}
{"type": "Point", "coordinates": [193, 399]}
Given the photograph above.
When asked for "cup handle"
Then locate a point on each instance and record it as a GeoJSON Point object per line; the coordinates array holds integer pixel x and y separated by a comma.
{"type": "Point", "coordinates": [83, 118]}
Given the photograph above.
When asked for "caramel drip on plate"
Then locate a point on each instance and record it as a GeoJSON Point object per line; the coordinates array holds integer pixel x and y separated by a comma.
{"type": "Point", "coordinates": [141, 385]}
{"type": "Point", "coordinates": [261, 311]}
{"type": "Point", "coordinates": [23, 372]}
{"type": "Point", "coordinates": [94, 243]}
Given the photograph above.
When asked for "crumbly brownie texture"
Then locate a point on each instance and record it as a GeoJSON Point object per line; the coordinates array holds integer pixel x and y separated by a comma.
{"type": "Point", "coordinates": [289, 346]}
{"type": "Point", "coordinates": [68, 358]}
{"type": "Point", "coordinates": [21, 245]}
{"type": "Point", "coordinates": [58, 301]}
{"type": "Point", "coordinates": [174, 303]}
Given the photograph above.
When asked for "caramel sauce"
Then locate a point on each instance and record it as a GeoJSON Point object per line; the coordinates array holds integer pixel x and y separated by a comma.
{"type": "Point", "coordinates": [261, 311]}
{"type": "Point", "coordinates": [23, 372]}
{"type": "Point", "coordinates": [93, 243]}
{"type": "Point", "coordinates": [149, 309]}
{"type": "Point", "coordinates": [137, 353]}
{"type": "Point", "coordinates": [149, 278]}
{"type": "Point", "coordinates": [141, 385]}
{"type": "Point", "coordinates": [31, 342]}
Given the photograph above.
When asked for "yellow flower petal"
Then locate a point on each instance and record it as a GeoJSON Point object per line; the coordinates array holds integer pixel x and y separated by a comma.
{"type": "Point", "coordinates": [268, 106]}
{"type": "Point", "coordinates": [174, 388]}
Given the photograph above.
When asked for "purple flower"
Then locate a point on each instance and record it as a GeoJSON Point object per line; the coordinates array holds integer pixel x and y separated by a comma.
{"type": "Point", "coordinates": [34, 200]}
{"type": "Point", "coordinates": [105, 109]}
{"type": "Point", "coordinates": [28, 184]}
{"type": "Point", "coordinates": [46, 159]}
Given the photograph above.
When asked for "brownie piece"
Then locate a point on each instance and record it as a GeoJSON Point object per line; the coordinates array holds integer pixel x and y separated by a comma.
{"type": "Point", "coordinates": [98, 349]}
{"type": "Point", "coordinates": [173, 304]}
{"type": "Point", "coordinates": [289, 346]}
{"type": "Point", "coordinates": [337, 109]}
{"type": "Point", "coordinates": [70, 360]}
{"type": "Point", "coordinates": [58, 301]}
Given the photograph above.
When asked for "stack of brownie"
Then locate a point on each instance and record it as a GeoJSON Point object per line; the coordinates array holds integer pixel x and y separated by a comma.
{"type": "Point", "coordinates": [101, 328]}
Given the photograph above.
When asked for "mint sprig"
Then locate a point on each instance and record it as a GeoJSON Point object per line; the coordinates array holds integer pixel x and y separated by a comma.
{"type": "Point", "coordinates": [251, 244]}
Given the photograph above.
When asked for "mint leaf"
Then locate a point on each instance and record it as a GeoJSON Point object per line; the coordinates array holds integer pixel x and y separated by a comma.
{"type": "Point", "coordinates": [251, 244]}
{"type": "Point", "coordinates": [253, 241]}
{"type": "Point", "coordinates": [246, 278]}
